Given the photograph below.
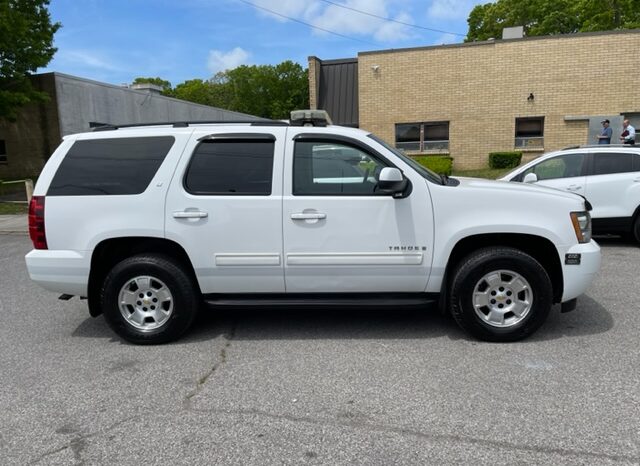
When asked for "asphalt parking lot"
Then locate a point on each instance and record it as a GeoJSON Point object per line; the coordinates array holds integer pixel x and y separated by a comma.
{"type": "Point", "coordinates": [333, 387]}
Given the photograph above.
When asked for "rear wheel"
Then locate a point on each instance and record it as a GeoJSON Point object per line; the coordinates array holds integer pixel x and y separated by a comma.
{"type": "Point", "coordinates": [500, 294]}
{"type": "Point", "coordinates": [149, 299]}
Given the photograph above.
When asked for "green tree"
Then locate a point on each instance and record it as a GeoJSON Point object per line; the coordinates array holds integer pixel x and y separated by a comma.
{"type": "Point", "coordinates": [26, 44]}
{"type": "Point", "coordinates": [605, 15]}
{"type": "Point", "coordinates": [269, 91]}
{"type": "Point", "coordinates": [164, 84]}
{"type": "Point", "coordinates": [544, 17]}
{"type": "Point", "coordinates": [193, 90]}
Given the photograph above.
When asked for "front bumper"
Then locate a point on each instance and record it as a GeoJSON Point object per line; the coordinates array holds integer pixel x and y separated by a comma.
{"type": "Point", "coordinates": [60, 271]}
{"type": "Point", "coordinates": [578, 277]}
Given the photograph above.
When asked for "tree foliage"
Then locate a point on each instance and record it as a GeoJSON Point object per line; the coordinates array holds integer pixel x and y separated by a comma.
{"type": "Point", "coordinates": [269, 91]}
{"type": "Point", "coordinates": [544, 17]}
{"type": "Point", "coordinates": [26, 44]}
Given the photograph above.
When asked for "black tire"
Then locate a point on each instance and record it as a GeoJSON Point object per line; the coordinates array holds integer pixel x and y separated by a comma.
{"type": "Point", "coordinates": [636, 228]}
{"type": "Point", "coordinates": [482, 263]}
{"type": "Point", "coordinates": [181, 306]}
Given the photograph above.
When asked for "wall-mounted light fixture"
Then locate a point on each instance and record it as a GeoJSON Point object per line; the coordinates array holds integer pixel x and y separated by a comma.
{"type": "Point", "coordinates": [531, 97]}
{"type": "Point", "coordinates": [375, 68]}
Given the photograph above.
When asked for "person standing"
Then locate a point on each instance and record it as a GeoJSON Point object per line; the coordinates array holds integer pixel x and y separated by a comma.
{"type": "Point", "coordinates": [628, 135]}
{"type": "Point", "coordinates": [605, 136]}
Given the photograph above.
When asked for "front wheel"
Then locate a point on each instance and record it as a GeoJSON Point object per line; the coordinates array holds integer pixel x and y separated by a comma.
{"type": "Point", "coordinates": [500, 294]}
{"type": "Point", "coordinates": [149, 299]}
{"type": "Point", "coordinates": [636, 228]}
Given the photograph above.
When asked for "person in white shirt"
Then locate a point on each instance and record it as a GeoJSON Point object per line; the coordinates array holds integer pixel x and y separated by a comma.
{"type": "Point", "coordinates": [628, 135]}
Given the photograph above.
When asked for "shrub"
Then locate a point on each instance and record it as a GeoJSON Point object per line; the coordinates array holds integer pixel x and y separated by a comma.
{"type": "Point", "coordinates": [505, 159]}
{"type": "Point", "coordinates": [441, 164]}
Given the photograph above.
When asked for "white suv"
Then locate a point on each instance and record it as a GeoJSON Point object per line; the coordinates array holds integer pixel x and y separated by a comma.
{"type": "Point", "coordinates": [152, 222]}
{"type": "Point", "coordinates": [608, 176]}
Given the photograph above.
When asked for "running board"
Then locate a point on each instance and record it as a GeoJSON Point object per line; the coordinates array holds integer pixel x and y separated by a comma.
{"type": "Point", "coordinates": [321, 300]}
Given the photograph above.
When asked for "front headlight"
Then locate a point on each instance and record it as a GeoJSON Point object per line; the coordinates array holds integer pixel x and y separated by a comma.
{"type": "Point", "coordinates": [582, 226]}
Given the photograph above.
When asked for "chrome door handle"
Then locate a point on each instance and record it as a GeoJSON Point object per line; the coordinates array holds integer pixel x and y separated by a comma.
{"type": "Point", "coordinates": [189, 214]}
{"type": "Point", "coordinates": [574, 187]}
{"type": "Point", "coordinates": [308, 216]}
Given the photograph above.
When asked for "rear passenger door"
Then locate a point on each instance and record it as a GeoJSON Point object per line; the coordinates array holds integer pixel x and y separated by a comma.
{"type": "Point", "coordinates": [614, 185]}
{"type": "Point", "coordinates": [224, 206]}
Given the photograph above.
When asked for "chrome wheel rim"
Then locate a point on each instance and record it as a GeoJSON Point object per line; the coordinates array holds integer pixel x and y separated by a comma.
{"type": "Point", "coordinates": [502, 298]}
{"type": "Point", "coordinates": [146, 303]}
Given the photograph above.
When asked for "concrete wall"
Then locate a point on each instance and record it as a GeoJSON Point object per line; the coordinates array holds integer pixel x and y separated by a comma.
{"type": "Point", "coordinates": [73, 103]}
{"type": "Point", "coordinates": [82, 101]}
{"type": "Point", "coordinates": [481, 88]}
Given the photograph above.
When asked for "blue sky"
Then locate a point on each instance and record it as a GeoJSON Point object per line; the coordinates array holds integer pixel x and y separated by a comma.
{"type": "Point", "coordinates": [117, 40]}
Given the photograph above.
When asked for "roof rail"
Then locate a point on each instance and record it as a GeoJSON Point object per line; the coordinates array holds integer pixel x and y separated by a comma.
{"type": "Point", "coordinates": [185, 124]}
{"type": "Point", "coordinates": [600, 146]}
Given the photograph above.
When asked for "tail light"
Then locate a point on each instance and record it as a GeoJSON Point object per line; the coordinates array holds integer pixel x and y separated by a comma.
{"type": "Point", "coordinates": [36, 223]}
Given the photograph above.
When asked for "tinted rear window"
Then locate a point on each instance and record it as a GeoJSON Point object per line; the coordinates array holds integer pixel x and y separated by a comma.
{"type": "Point", "coordinates": [608, 163]}
{"type": "Point", "coordinates": [110, 166]}
{"type": "Point", "coordinates": [231, 167]}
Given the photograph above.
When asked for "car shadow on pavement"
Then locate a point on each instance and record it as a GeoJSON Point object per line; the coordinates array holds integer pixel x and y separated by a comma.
{"type": "Point", "coordinates": [328, 324]}
{"type": "Point", "coordinates": [616, 241]}
{"type": "Point", "coordinates": [94, 328]}
{"type": "Point", "coordinates": [589, 318]}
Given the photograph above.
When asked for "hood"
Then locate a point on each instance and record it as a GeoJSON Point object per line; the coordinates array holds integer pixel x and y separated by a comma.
{"type": "Point", "coordinates": [513, 189]}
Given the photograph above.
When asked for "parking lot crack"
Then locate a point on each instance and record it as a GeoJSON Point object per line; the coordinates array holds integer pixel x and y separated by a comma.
{"type": "Point", "coordinates": [79, 443]}
{"type": "Point", "coordinates": [433, 436]}
{"type": "Point", "coordinates": [220, 361]}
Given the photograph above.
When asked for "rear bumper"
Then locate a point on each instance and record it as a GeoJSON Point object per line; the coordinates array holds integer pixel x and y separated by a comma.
{"type": "Point", "coordinates": [60, 271]}
{"type": "Point", "coordinates": [577, 278]}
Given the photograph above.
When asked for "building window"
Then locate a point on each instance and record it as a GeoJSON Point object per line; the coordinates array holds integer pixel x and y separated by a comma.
{"type": "Point", "coordinates": [423, 137]}
{"type": "Point", "coordinates": [3, 151]}
{"type": "Point", "coordinates": [529, 133]}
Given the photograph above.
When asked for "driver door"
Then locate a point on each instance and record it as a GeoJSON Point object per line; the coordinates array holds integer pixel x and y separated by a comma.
{"type": "Point", "coordinates": [340, 234]}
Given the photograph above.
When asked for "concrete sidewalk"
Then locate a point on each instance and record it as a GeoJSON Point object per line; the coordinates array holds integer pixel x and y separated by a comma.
{"type": "Point", "coordinates": [14, 224]}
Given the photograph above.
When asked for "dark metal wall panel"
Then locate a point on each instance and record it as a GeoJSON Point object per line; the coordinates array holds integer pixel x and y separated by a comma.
{"type": "Point", "coordinates": [338, 91]}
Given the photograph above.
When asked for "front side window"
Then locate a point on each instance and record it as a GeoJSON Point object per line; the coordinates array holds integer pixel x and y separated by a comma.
{"type": "Point", "coordinates": [426, 136]}
{"type": "Point", "coordinates": [608, 163]}
{"type": "Point", "coordinates": [118, 166]}
{"type": "Point", "coordinates": [529, 133]}
{"type": "Point", "coordinates": [563, 166]}
{"type": "Point", "coordinates": [231, 167]}
{"type": "Point", "coordinates": [327, 168]}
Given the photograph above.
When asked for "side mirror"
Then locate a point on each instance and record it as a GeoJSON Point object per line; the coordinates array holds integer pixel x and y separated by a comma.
{"type": "Point", "coordinates": [530, 178]}
{"type": "Point", "coordinates": [392, 182]}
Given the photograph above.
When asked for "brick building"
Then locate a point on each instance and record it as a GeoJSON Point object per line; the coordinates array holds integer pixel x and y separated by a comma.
{"type": "Point", "coordinates": [532, 94]}
{"type": "Point", "coordinates": [76, 105]}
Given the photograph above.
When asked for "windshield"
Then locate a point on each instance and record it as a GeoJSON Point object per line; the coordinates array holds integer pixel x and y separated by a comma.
{"type": "Point", "coordinates": [422, 170]}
